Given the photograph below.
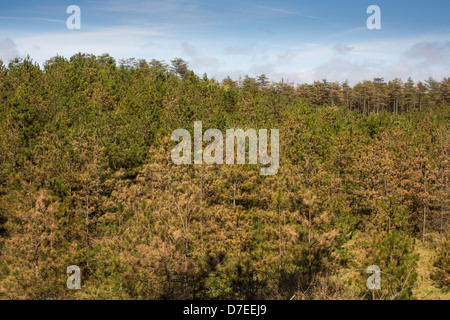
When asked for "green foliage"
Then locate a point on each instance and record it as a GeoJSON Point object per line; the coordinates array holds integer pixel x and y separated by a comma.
{"type": "Point", "coordinates": [86, 179]}
{"type": "Point", "coordinates": [441, 273]}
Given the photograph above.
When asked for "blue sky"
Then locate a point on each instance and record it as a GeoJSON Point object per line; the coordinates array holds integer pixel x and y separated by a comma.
{"type": "Point", "coordinates": [299, 41]}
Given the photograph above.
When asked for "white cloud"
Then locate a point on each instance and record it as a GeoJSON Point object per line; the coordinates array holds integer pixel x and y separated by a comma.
{"type": "Point", "coordinates": [238, 50]}
{"type": "Point", "coordinates": [119, 42]}
{"type": "Point", "coordinates": [430, 53]}
{"type": "Point", "coordinates": [420, 61]}
{"type": "Point", "coordinates": [340, 70]}
{"type": "Point", "coordinates": [219, 57]}
{"type": "Point", "coordinates": [342, 48]}
{"type": "Point", "coordinates": [204, 63]}
{"type": "Point", "coordinates": [262, 69]}
{"type": "Point", "coordinates": [8, 49]}
{"type": "Point", "coordinates": [189, 49]}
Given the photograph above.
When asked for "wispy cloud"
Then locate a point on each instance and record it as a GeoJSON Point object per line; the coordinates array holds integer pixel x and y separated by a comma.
{"type": "Point", "coordinates": [177, 11]}
{"type": "Point", "coordinates": [293, 13]}
{"type": "Point", "coordinates": [32, 19]}
{"type": "Point", "coordinates": [352, 31]}
{"type": "Point", "coordinates": [238, 50]}
{"type": "Point", "coordinates": [430, 53]}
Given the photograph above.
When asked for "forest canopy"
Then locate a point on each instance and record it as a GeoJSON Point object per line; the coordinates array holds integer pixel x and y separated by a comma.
{"type": "Point", "coordinates": [86, 179]}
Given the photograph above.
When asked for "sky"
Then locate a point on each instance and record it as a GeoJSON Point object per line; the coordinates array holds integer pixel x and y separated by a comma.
{"type": "Point", "coordinates": [294, 40]}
